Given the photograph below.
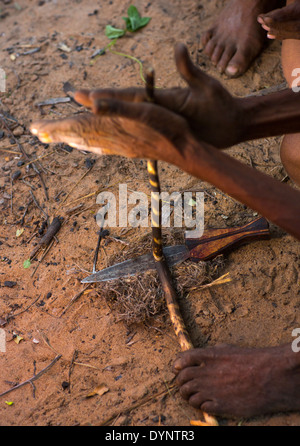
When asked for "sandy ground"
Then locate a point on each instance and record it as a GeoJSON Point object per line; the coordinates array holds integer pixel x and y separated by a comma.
{"type": "Point", "coordinates": [130, 362]}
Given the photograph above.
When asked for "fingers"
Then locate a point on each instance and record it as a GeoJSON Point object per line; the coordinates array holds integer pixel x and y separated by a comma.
{"type": "Point", "coordinates": [88, 97]}
{"type": "Point", "coordinates": [83, 98]}
{"type": "Point", "coordinates": [190, 73]}
{"type": "Point", "coordinates": [115, 107]}
{"type": "Point", "coordinates": [158, 118]}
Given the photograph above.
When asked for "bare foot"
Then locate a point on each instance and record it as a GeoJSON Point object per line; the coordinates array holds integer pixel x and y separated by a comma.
{"type": "Point", "coordinates": [237, 39]}
{"type": "Point", "coordinates": [283, 23]}
{"type": "Point", "coordinates": [240, 382]}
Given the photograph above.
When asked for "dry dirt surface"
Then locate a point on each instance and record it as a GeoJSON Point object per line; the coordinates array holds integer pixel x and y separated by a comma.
{"type": "Point", "coordinates": [105, 340]}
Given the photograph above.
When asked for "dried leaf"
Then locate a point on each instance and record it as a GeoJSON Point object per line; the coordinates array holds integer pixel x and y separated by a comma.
{"type": "Point", "coordinates": [99, 390]}
{"type": "Point", "coordinates": [209, 421]}
{"type": "Point", "coordinates": [63, 47]}
{"type": "Point", "coordinates": [19, 232]}
{"type": "Point", "coordinates": [18, 339]}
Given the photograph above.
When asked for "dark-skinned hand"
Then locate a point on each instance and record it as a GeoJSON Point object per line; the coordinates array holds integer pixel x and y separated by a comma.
{"type": "Point", "coordinates": [212, 114]}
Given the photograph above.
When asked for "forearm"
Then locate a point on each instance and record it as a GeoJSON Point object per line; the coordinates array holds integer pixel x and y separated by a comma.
{"type": "Point", "coordinates": [270, 115]}
{"type": "Point", "coordinates": [274, 200]}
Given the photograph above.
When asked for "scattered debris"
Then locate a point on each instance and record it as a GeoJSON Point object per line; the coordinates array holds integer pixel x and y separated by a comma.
{"type": "Point", "coordinates": [33, 378]}
{"type": "Point", "coordinates": [99, 390]}
{"type": "Point", "coordinates": [9, 284]}
{"type": "Point", "coordinates": [53, 101]}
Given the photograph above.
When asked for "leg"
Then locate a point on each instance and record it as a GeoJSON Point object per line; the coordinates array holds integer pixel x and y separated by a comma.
{"type": "Point", "coordinates": [283, 23]}
{"type": "Point", "coordinates": [240, 382]}
{"type": "Point", "coordinates": [237, 38]}
{"type": "Point", "coordinates": [290, 147]}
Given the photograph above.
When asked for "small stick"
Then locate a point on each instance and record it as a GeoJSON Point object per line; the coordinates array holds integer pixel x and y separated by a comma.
{"type": "Point", "coordinates": [53, 101]}
{"type": "Point", "coordinates": [71, 368]}
{"type": "Point", "coordinates": [76, 297]}
{"type": "Point", "coordinates": [102, 234]}
{"type": "Point", "coordinates": [11, 198]}
{"type": "Point", "coordinates": [25, 212]}
{"type": "Point", "coordinates": [97, 249]}
{"type": "Point", "coordinates": [11, 316]}
{"type": "Point", "coordinates": [34, 377]}
{"type": "Point", "coordinates": [9, 151]}
{"type": "Point", "coordinates": [140, 403]}
{"type": "Point", "coordinates": [22, 150]}
{"type": "Point", "coordinates": [75, 185]}
{"type": "Point", "coordinates": [43, 256]}
{"type": "Point", "coordinates": [38, 205]}
{"type": "Point", "coordinates": [47, 238]}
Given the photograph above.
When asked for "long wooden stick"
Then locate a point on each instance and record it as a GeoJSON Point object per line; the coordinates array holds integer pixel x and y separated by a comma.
{"type": "Point", "coordinates": [164, 272]}
{"type": "Point", "coordinates": [160, 261]}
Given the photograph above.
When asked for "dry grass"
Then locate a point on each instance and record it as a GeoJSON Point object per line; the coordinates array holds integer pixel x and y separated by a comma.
{"type": "Point", "coordinates": [137, 299]}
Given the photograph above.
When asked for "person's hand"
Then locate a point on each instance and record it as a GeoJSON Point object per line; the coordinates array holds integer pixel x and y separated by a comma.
{"type": "Point", "coordinates": [212, 114]}
{"type": "Point", "coordinates": [141, 130]}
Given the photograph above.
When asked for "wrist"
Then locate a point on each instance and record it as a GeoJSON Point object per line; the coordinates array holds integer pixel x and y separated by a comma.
{"type": "Point", "coordinates": [271, 115]}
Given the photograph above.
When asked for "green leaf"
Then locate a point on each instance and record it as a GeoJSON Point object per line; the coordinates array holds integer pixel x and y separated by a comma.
{"type": "Point", "coordinates": [133, 12]}
{"type": "Point", "coordinates": [134, 21]}
{"type": "Point", "coordinates": [114, 33]}
{"type": "Point", "coordinates": [127, 23]}
{"type": "Point", "coordinates": [144, 21]}
{"type": "Point", "coordinates": [26, 264]}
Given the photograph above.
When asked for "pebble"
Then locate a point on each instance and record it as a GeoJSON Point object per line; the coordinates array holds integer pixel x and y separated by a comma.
{"type": "Point", "coordinates": [15, 175]}
{"type": "Point", "coordinates": [139, 392]}
{"type": "Point", "coordinates": [18, 131]}
{"type": "Point", "coordinates": [10, 284]}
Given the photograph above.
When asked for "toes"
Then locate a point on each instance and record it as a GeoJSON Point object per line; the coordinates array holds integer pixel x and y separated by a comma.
{"type": "Point", "coordinates": [193, 390]}
{"type": "Point", "coordinates": [209, 48]}
{"type": "Point", "coordinates": [189, 358]}
{"type": "Point", "coordinates": [211, 407]}
{"type": "Point", "coordinates": [226, 57]}
{"type": "Point", "coordinates": [240, 62]}
{"type": "Point", "coordinates": [217, 54]}
{"type": "Point", "coordinates": [205, 38]}
{"type": "Point", "coordinates": [281, 14]}
{"type": "Point", "coordinates": [266, 23]}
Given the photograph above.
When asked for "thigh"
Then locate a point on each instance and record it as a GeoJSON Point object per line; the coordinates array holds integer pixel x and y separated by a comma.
{"type": "Point", "coordinates": [291, 58]}
{"type": "Point", "coordinates": [290, 55]}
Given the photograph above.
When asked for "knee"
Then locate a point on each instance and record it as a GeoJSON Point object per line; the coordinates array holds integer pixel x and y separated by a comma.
{"type": "Point", "coordinates": [290, 156]}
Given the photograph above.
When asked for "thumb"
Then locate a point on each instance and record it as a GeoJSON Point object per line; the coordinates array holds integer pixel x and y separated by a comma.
{"type": "Point", "coordinates": [189, 72]}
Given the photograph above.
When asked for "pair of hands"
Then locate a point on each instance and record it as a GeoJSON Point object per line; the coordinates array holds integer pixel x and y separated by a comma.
{"type": "Point", "coordinates": [204, 108]}
{"type": "Point", "coordinates": [124, 122]}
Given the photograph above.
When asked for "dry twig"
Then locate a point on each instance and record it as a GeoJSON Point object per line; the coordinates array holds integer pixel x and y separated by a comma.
{"type": "Point", "coordinates": [33, 378]}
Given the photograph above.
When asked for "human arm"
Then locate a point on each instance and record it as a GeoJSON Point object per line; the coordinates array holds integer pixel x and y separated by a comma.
{"type": "Point", "coordinates": [212, 113]}
{"type": "Point", "coordinates": [144, 130]}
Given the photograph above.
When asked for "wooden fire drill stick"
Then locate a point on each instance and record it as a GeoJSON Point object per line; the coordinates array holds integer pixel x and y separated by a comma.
{"type": "Point", "coordinates": [157, 249]}
{"type": "Point", "coordinates": [160, 262]}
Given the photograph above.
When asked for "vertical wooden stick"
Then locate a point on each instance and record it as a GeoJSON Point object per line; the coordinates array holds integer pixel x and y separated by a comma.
{"type": "Point", "coordinates": [160, 262]}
